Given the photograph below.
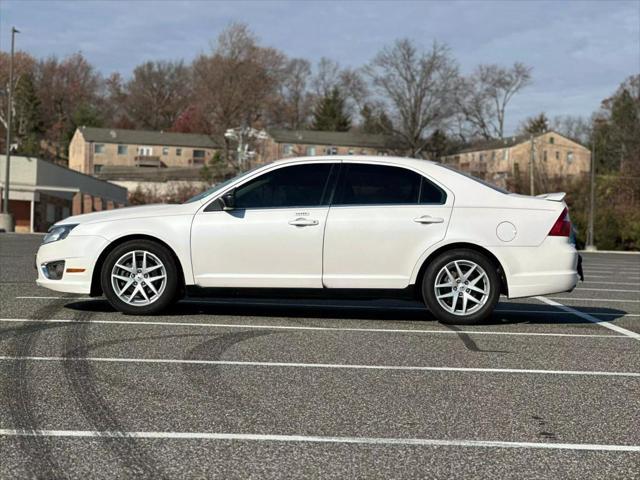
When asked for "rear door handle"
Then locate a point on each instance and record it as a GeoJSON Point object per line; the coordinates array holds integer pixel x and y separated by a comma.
{"type": "Point", "coordinates": [428, 219]}
{"type": "Point", "coordinates": [303, 222]}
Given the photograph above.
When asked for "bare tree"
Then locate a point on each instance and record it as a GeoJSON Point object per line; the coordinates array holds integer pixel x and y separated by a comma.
{"type": "Point", "coordinates": [483, 97]}
{"type": "Point", "coordinates": [575, 127]}
{"type": "Point", "coordinates": [23, 64]}
{"type": "Point", "coordinates": [69, 91]}
{"type": "Point", "coordinates": [295, 100]}
{"type": "Point", "coordinates": [236, 83]}
{"type": "Point", "coordinates": [157, 93]}
{"type": "Point", "coordinates": [417, 87]}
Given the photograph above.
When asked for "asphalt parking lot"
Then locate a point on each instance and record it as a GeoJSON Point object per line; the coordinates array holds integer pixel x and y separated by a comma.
{"type": "Point", "coordinates": [549, 388]}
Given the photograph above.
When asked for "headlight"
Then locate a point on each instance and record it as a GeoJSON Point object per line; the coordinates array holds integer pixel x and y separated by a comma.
{"type": "Point", "coordinates": [58, 232]}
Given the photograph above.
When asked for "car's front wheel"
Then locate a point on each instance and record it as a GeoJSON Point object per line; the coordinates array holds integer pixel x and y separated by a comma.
{"type": "Point", "coordinates": [461, 286]}
{"type": "Point", "coordinates": [139, 277]}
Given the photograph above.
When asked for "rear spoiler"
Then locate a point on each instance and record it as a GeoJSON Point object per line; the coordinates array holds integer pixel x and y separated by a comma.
{"type": "Point", "coordinates": [554, 197]}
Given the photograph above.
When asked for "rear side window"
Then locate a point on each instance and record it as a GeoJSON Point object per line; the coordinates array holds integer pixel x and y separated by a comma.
{"type": "Point", "coordinates": [431, 194]}
{"type": "Point", "coordinates": [364, 184]}
{"type": "Point", "coordinates": [295, 186]}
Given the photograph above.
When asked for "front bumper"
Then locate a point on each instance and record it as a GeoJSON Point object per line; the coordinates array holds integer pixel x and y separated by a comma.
{"type": "Point", "coordinates": [79, 253]}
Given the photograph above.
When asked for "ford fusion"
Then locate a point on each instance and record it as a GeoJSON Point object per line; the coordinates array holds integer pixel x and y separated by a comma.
{"type": "Point", "coordinates": [329, 225]}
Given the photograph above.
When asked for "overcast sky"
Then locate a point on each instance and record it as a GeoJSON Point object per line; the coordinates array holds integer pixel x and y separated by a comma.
{"type": "Point", "coordinates": [579, 51]}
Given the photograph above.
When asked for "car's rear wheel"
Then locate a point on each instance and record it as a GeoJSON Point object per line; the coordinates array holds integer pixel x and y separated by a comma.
{"type": "Point", "coordinates": [461, 286]}
{"type": "Point", "coordinates": [140, 277]}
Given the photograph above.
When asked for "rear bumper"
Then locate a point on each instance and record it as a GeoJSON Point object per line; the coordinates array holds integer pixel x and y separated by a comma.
{"type": "Point", "coordinates": [552, 267]}
{"type": "Point", "coordinates": [79, 253]}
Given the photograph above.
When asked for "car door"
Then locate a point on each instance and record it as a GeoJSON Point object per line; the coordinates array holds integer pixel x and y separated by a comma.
{"type": "Point", "coordinates": [272, 238]}
{"type": "Point", "coordinates": [382, 219]}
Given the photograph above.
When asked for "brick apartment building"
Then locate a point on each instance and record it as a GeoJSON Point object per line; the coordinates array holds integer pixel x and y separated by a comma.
{"type": "Point", "coordinates": [92, 149]}
{"type": "Point", "coordinates": [499, 161]}
{"type": "Point", "coordinates": [308, 143]}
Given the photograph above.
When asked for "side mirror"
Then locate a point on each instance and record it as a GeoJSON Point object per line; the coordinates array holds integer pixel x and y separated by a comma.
{"type": "Point", "coordinates": [228, 200]}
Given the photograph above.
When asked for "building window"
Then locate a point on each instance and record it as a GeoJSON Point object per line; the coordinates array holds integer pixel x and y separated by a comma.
{"type": "Point", "coordinates": [569, 156]}
{"type": "Point", "coordinates": [98, 148]}
{"type": "Point", "coordinates": [123, 149]}
{"type": "Point", "coordinates": [544, 155]}
{"type": "Point", "coordinates": [552, 140]}
{"type": "Point", "coordinates": [311, 151]}
{"type": "Point", "coordinates": [557, 155]}
{"type": "Point", "coordinates": [493, 155]}
{"type": "Point", "coordinates": [288, 149]}
{"type": "Point", "coordinates": [506, 154]}
{"type": "Point", "coordinates": [198, 156]}
{"type": "Point", "coordinates": [178, 152]}
{"type": "Point", "coordinates": [97, 168]}
{"type": "Point", "coordinates": [331, 151]}
{"type": "Point", "coordinates": [51, 213]}
{"type": "Point", "coordinates": [165, 150]}
{"type": "Point", "coordinates": [350, 151]}
{"type": "Point", "coordinates": [481, 157]}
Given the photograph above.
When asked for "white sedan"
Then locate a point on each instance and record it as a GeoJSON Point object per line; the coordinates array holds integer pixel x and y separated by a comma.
{"type": "Point", "coordinates": [373, 225]}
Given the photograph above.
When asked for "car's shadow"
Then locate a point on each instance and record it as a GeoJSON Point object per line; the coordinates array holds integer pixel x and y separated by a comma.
{"type": "Point", "coordinates": [506, 312]}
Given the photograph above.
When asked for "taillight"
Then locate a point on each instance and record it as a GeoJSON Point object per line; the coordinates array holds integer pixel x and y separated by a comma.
{"type": "Point", "coordinates": [562, 227]}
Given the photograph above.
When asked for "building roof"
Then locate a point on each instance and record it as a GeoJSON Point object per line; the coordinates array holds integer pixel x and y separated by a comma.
{"type": "Point", "coordinates": [316, 137]}
{"type": "Point", "coordinates": [145, 137]}
{"type": "Point", "coordinates": [507, 142]}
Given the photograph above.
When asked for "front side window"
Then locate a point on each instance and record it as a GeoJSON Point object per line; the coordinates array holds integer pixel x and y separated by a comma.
{"type": "Point", "coordinates": [364, 184]}
{"type": "Point", "coordinates": [98, 148]}
{"type": "Point", "coordinates": [295, 186]}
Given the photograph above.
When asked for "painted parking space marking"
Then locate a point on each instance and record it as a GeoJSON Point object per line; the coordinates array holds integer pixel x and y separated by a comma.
{"type": "Point", "coordinates": [249, 437]}
{"type": "Point", "coordinates": [586, 316]}
{"type": "Point", "coordinates": [330, 366]}
{"type": "Point", "coordinates": [305, 328]}
{"type": "Point", "coordinates": [594, 299]}
{"type": "Point", "coordinates": [606, 290]}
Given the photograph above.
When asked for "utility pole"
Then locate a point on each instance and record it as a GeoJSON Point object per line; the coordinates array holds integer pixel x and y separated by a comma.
{"type": "Point", "coordinates": [531, 159]}
{"type": "Point", "coordinates": [6, 220]}
{"type": "Point", "coordinates": [592, 197]}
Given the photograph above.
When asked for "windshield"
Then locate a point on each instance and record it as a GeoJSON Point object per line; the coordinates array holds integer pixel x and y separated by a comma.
{"type": "Point", "coordinates": [221, 186]}
{"type": "Point", "coordinates": [479, 180]}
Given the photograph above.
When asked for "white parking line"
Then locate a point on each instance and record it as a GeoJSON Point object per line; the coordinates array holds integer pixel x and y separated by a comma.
{"type": "Point", "coordinates": [340, 366]}
{"type": "Point", "coordinates": [587, 281]}
{"type": "Point", "coordinates": [303, 328]}
{"type": "Point", "coordinates": [595, 299]}
{"type": "Point", "coordinates": [251, 437]}
{"type": "Point", "coordinates": [586, 316]}
{"type": "Point", "coordinates": [606, 290]}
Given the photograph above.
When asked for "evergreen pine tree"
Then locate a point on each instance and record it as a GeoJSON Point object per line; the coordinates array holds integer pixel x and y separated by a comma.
{"type": "Point", "coordinates": [330, 115]}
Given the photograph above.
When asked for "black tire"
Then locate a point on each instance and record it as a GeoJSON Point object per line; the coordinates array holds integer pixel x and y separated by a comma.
{"type": "Point", "coordinates": [429, 294]}
{"type": "Point", "coordinates": [168, 296]}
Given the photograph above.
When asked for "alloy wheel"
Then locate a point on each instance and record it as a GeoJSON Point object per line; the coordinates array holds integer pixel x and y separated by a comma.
{"type": "Point", "coordinates": [138, 278]}
{"type": "Point", "coordinates": [462, 287]}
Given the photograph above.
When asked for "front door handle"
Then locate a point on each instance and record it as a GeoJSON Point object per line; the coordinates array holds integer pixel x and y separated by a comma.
{"type": "Point", "coordinates": [303, 222]}
{"type": "Point", "coordinates": [425, 219]}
